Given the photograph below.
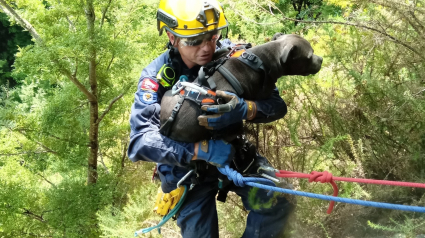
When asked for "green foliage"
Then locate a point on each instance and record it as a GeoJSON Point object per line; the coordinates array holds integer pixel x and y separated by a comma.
{"type": "Point", "coordinates": [409, 227]}
{"type": "Point", "coordinates": [45, 122]}
{"type": "Point", "coordinates": [361, 116]}
{"type": "Point", "coordinates": [137, 214]}
{"type": "Point", "coordinates": [231, 214]}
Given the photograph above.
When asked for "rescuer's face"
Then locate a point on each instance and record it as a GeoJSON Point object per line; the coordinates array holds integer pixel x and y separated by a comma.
{"type": "Point", "coordinates": [195, 51]}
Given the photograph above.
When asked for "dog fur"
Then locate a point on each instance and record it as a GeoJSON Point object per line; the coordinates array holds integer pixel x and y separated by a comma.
{"type": "Point", "coordinates": [284, 55]}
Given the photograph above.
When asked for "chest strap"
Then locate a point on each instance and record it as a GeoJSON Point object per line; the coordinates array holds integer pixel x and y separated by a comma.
{"type": "Point", "coordinates": [202, 96]}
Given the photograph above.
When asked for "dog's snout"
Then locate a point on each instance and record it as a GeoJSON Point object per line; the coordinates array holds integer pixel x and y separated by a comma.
{"type": "Point", "coordinates": [316, 64]}
{"type": "Point", "coordinates": [317, 60]}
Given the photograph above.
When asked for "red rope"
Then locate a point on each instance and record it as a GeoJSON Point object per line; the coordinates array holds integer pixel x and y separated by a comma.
{"type": "Point", "coordinates": [326, 177]}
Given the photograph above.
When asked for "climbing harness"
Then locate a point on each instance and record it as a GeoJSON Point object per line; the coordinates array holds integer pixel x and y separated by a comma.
{"type": "Point", "coordinates": [201, 95]}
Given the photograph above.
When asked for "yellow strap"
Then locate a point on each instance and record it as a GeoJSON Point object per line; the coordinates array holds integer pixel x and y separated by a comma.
{"type": "Point", "coordinates": [167, 201]}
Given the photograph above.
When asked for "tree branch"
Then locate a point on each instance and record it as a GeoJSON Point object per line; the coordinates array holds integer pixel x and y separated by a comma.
{"type": "Point", "coordinates": [361, 26]}
{"type": "Point", "coordinates": [417, 25]}
{"type": "Point", "coordinates": [76, 68]}
{"type": "Point", "coordinates": [110, 63]}
{"type": "Point", "coordinates": [101, 161]}
{"type": "Point", "coordinates": [79, 85]}
{"type": "Point", "coordinates": [109, 108]}
{"type": "Point", "coordinates": [396, 5]}
{"type": "Point", "coordinates": [46, 148]}
{"type": "Point", "coordinates": [32, 215]}
{"type": "Point", "coordinates": [71, 25]}
{"type": "Point", "coordinates": [423, 90]}
{"type": "Point", "coordinates": [65, 140]}
{"type": "Point", "coordinates": [40, 144]}
{"type": "Point", "coordinates": [104, 13]}
{"type": "Point", "coordinates": [25, 24]}
{"type": "Point", "coordinates": [124, 155]}
{"type": "Point", "coordinates": [284, 18]}
{"type": "Point", "coordinates": [50, 135]}
{"type": "Point", "coordinates": [47, 181]}
{"type": "Point", "coordinates": [26, 153]}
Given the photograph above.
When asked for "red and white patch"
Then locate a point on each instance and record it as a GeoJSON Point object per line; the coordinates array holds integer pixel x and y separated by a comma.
{"type": "Point", "coordinates": [149, 85]}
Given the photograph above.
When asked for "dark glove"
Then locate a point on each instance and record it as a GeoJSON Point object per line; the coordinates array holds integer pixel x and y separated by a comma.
{"type": "Point", "coordinates": [234, 110]}
{"type": "Point", "coordinates": [216, 152]}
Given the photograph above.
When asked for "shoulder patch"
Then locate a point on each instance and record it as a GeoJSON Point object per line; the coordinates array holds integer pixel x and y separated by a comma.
{"type": "Point", "coordinates": [147, 97]}
{"type": "Point", "coordinates": [149, 84]}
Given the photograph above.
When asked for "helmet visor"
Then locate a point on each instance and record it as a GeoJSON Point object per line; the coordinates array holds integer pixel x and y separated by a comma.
{"type": "Point", "coordinates": [212, 36]}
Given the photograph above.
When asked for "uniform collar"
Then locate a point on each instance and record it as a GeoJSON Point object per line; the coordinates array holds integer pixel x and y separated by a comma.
{"type": "Point", "coordinates": [175, 56]}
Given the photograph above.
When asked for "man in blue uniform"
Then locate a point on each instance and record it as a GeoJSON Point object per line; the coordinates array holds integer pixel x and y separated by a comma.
{"type": "Point", "coordinates": [193, 28]}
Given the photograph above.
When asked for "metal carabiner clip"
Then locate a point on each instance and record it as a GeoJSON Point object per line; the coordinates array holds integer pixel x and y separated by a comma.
{"type": "Point", "coordinates": [184, 178]}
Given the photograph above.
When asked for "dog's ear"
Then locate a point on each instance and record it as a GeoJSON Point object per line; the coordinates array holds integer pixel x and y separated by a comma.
{"type": "Point", "coordinates": [286, 52]}
{"type": "Point", "coordinates": [277, 35]}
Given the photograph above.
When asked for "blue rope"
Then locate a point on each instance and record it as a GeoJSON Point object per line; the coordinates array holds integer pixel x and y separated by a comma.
{"type": "Point", "coordinates": [165, 218]}
{"type": "Point", "coordinates": [240, 180]}
{"type": "Point", "coordinates": [231, 174]}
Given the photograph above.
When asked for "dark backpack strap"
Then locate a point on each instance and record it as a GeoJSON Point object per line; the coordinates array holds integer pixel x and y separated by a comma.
{"type": "Point", "coordinates": [224, 187]}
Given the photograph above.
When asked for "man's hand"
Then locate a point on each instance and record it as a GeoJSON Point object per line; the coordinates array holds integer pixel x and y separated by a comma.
{"type": "Point", "coordinates": [234, 110]}
{"type": "Point", "coordinates": [216, 152]}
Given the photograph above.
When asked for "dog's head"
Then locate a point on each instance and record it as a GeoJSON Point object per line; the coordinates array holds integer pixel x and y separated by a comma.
{"type": "Point", "coordinates": [296, 55]}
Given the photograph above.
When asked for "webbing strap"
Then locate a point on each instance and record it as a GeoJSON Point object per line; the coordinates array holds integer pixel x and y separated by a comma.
{"type": "Point", "coordinates": [253, 61]}
{"type": "Point", "coordinates": [232, 79]}
{"type": "Point", "coordinates": [166, 128]}
{"type": "Point", "coordinates": [212, 84]}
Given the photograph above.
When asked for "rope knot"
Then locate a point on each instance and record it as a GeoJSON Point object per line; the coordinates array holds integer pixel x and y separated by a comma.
{"type": "Point", "coordinates": [323, 177]}
{"type": "Point", "coordinates": [233, 175]}
{"type": "Point", "coordinates": [240, 180]}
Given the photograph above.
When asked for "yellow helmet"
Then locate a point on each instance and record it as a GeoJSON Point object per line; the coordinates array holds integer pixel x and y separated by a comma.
{"type": "Point", "coordinates": [188, 18]}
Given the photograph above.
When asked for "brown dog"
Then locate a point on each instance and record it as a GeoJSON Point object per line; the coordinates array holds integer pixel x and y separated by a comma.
{"type": "Point", "coordinates": [285, 55]}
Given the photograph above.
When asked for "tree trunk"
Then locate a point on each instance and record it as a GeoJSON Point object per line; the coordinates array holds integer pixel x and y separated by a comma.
{"type": "Point", "coordinates": [94, 107]}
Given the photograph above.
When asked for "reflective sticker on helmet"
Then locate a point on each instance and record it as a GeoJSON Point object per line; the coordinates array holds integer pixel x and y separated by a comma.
{"type": "Point", "coordinates": [149, 85]}
{"type": "Point", "coordinates": [147, 97]}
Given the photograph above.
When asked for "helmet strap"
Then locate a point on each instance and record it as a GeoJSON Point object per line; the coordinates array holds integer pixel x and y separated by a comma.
{"type": "Point", "coordinates": [168, 45]}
